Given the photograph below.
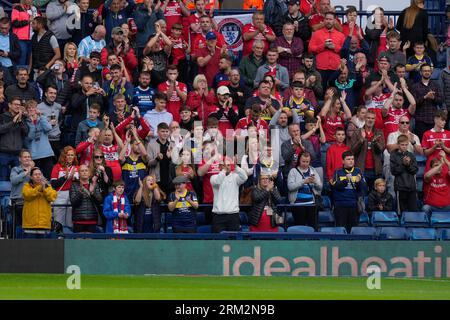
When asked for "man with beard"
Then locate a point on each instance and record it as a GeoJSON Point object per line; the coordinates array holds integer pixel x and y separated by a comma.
{"type": "Point", "coordinates": [239, 91]}
{"type": "Point", "coordinates": [116, 85]}
{"type": "Point", "coordinates": [143, 94]}
{"type": "Point", "coordinates": [428, 97]}
{"type": "Point", "coordinates": [326, 44]}
{"type": "Point", "coordinates": [223, 77]}
{"type": "Point", "coordinates": [299, 20]}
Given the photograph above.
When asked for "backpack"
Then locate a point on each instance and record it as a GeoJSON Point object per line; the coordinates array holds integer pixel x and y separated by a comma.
{"type": "Point", "coordinates": [274, 11]}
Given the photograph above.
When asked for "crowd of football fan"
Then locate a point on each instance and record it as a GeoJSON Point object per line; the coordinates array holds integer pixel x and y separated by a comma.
{"type": "Point", "coordinates": [116, 114]}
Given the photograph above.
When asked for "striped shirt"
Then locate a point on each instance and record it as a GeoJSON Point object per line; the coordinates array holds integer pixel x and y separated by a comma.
{"type": "Point", "coordinates": [88, 45]}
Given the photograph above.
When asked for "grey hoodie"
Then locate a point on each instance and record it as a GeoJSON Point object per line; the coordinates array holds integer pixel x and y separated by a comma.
{"type": "Point", "coordinates": [57, 20]}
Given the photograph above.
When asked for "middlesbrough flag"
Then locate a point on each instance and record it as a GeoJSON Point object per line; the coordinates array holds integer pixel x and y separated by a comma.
{"type": "Point", "coordinates": [231, 28]}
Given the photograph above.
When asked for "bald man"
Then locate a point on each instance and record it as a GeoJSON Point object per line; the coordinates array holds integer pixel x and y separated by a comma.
{"type": "Point", "coordinates": [94, 42]}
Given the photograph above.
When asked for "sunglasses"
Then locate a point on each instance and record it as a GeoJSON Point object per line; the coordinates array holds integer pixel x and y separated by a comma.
{"type": "Point", "coordinates": [99, 157]}
{"type": "Point", "coordinates": [404, 122]}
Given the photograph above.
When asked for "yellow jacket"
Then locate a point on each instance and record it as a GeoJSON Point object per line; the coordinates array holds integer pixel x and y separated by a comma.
{"type": "Point", "coordinates": [37, 212]}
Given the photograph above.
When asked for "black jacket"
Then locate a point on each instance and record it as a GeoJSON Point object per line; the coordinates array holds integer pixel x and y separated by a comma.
{"type": "Point", "coordinates": [64, 89]}
{"type": "Point", "coordinates": [14, 48]}
{"type": "Point", "coordinates": [84, 206]}
{"type": "Point", "coordinates": [11, 134]}
{"type": "Point", "coordinates": [405, 176]}
{"type": "Point", "coordinates": [79, 106]}
{"type": "Point", "coordinates": [260, 198]}
{"type": "Point", "coordinates": [375, 199]}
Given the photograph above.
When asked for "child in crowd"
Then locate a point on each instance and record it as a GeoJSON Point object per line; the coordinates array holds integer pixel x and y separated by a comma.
{"type": "Point", "coordinates": [90, 122]}
{"type": "Point", "coordinates": [134, 166]}
{"type": "Point", "coordinates": [379, 198]}
{"type": "Point", "coordinates": [416, 61]}
{"type": "Point", "coordinates": [86, 148]}
{"type": "Point", "coordinates": [116, 209]}
{"type": "Point", "coordinates": [404, 168]}
{"type": "Point", "coordinates": [334, 153]}
{"type": "Point", "coordinates": [183, 203]}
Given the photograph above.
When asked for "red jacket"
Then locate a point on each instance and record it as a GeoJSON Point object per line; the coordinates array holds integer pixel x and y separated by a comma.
{"type": "Point", "coordinates": [334, 158]}
{"type": "Point", "coordinates": [327, 59]}
{"type": "Point", "coordinates": [129, 59]}
{"type": "Point", "coordinates": [201, 105]}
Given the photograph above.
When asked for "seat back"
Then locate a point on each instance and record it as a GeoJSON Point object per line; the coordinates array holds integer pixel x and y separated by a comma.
{"type": "Point", "coordinates": [384, 219]}
{"type": "Point", "coordinates": [365, 231]}
{"type": "Point", "coordinates": [415, 219]}
{"type": "Point", "coordinates": [326, 219]}
{"type": "Point", "coordinates": [393, 233]}
{"type": "Point", "coordinates": [440, 219]}
{"type": "Point", "coordinates": [333, 230]}
{"type": "Point", "coordinates": [300, 229]}
{"type": "Point", "coordinates": [422, 234]}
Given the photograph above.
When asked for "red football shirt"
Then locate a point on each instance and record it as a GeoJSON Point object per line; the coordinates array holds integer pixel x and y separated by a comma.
{"type": "Point", "coordinates": [330, 125]}
{"type": "Point", "coordinates": [174, 103]}
{"type": "Point", "coordinates": [392, 120]}
{"type": "Point", "coordinates": [208, 193]}
{"type": "Point", "coordinates": [212, 68]}
{"type": "Point", "coordinates": [429, 139]}
{"type": "Point", "coordinates": [436, 192]}
{"type": "Point", "coordinates": [200, 43]}
{"type": "Point", "coordinates": [173, 14]}
{"type": "Point", "coordinates": [248, 44]}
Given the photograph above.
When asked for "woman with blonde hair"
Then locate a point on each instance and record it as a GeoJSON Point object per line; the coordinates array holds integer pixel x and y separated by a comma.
{"type": "Point", "coordinates": [413, 25]}
{"type": "Point", "coordinates": [148, 214]}
{"type": "Point", "coordinates": [265, 197]}
{"type": "Point", "coordinates": [71, 58]}
{"type": "Point", "coordinates": [37, 211]}
{"type": "Point", "coordinates": [201, 99]}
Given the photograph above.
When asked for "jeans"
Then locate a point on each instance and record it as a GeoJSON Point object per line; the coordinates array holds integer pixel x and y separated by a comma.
{"type": "Point", "coordinates": [7, 162]}
{"type": "Point", "coordinates": [429, 209]}
{"type": "Point", "coordinates": [25, 51]}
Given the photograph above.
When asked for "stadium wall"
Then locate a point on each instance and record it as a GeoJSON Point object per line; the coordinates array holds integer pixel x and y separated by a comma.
{"type": "Point", "coordinates": [259, 258]}
{"type": "Point", "coordinates": [32, 256]}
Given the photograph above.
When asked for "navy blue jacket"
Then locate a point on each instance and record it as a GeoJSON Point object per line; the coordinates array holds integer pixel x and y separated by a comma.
{"type": "Point", "coordinates": [344, 193]}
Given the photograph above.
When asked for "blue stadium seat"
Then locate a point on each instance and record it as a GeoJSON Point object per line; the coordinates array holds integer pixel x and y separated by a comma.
{"type": "Point", "coordinates": [243, 218]}
{"type": "Point", "coordinates": [289, 219]}
{"type": "Point", "coordinates": [333, 230]}
{"type": "Point", "coordinates": [364, 231]}
{"type": "Point", "coordinates": [422, 234]}
{"type": "Point", "coordinates": [67, 230]}
{"type": "Point", "coordinates": [201, 219]}
{"type": "Point", "coordinates": [364, 220]}
{"type": "Point", "coordinates": [326, 219]}
{"type": "Point", "coordinates": [167, 216]}
{"type": "Point", "coordinates": [281, 229]}
{"type": "Point", "coordinates": [5, 187]}
{"type": "Point", "coordinates": [393, 233]}
{"type": "Point", "coordinates": [384, 219]}
{"type": "Point", "coordinates": [204, 229]}
{"type": "Point", "coordinates": [245, 228]}
{"type": "Point", "coordinates": [440, 219]}
{"type": "Point", "coordinates": [444, 234]}
{"type": "Point", "coordinates": [414, 219]}
{"type": "Point", "coordinates": [421, 171]}
{"type": "Point", "coordinates": [326, 202]}
{"type": "Point", "coordinates": [99, 229]}
{"type": "Point", "coordinates": [421, 159]}
{"type": "Point", "coordinates": [300, 229]}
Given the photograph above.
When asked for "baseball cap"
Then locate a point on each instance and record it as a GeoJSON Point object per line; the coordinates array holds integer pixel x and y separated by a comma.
{"type": "Point", "coordinates": [179, 179]}
{"type": "Point", "coordinates": [211, 35]}
{"type": "Point", "coordinates": [294, 2]}
{"type": "Point", "coordinates": [383, 55]}
{"type": "Point", "coordinates": [116, 30]}
{"type": "Point", "coordinates": [223, 90]}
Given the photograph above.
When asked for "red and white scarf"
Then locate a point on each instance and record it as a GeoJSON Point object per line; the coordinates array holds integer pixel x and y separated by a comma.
{"type": "Point", "coordinates": [120, 224]}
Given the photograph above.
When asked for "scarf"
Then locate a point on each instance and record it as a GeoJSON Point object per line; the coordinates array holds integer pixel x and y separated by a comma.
{"type": "Point", "coordinates": [120, 224]}
{"type": "Point", "coordinates": [91, 123]}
